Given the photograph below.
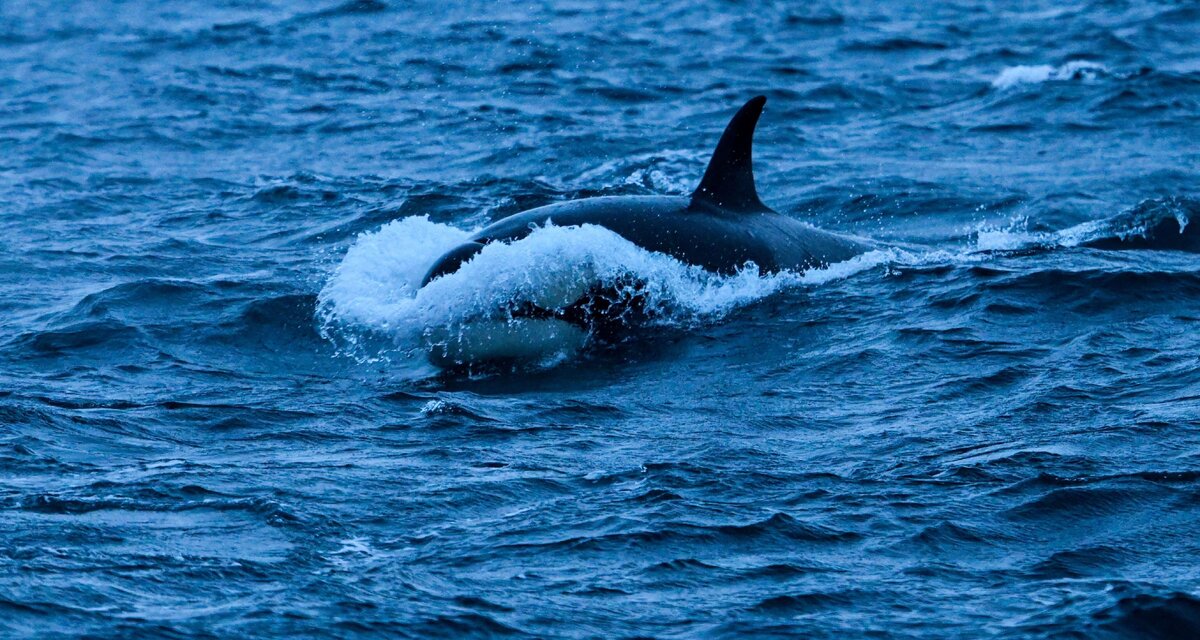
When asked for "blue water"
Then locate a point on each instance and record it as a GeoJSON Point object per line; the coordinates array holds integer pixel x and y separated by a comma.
{"type": "Point", "coordinates": [993, 431]}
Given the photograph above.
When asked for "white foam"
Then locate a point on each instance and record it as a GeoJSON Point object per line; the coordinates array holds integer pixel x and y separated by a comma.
{"type": "Point", "coordinates": [1034, 74]}
{"type": "Point", "coordinates": [376, 280]}
{"type": "Point", "coordinates": [374, 301]}
{"type": "Point", "coordinates": [856, 265]}
{"type": "Point", "coordinates": [1016, 237]}
{"type": "Point", "coordinates": [1010, 238]}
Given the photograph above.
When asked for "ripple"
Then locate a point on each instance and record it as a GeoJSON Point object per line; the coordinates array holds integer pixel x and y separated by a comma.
{"type": "Point", "coordinates": [992, 430]}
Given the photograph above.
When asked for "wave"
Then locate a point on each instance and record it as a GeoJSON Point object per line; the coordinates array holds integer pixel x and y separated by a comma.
{"type": "Point", "coordinates": [98, 338]}
{"type": "Point", "coordinates": [168, 500]}
{"type": "Point", "coordinates": [1144, 615]}
{"type": "Point", "coordinates": [888, 45]}
{"type": "Point", "coordinates": [1161, 224]}
{"type": "Point", "coordinates": [349, 8]}
{"type": "Point", "coordinates": [1037, 74]}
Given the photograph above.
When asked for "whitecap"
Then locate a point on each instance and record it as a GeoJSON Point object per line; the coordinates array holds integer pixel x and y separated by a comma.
{"type": "Point", "coordinates": [1034, 74]}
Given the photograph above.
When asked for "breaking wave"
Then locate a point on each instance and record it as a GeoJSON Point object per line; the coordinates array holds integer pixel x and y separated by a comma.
{"type": "Point", "coordinates": [1035, 74]}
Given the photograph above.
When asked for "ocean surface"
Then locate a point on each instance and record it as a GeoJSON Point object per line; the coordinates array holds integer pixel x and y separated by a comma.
{"type": "Point", "coordinates": [216, 419]}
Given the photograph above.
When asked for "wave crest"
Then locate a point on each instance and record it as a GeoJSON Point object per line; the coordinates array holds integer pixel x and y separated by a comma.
{"type": "Point", "coordinates": [1037, 74]}
{"type": "Point", "coordinates": [1161, 224]}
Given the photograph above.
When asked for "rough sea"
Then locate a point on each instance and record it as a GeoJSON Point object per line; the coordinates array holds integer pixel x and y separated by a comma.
{"type": "Point", "coordinates": [216, 419]}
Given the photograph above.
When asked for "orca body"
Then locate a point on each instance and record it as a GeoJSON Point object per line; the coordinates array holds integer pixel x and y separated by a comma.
{"type": "Point", "coordinates": [722, 227]}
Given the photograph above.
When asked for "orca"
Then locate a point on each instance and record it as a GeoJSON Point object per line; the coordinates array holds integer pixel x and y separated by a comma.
{"type": "Point", "coordinates": [722, 227]}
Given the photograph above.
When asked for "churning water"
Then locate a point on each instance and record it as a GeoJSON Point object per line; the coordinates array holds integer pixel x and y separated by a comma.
{"type": "Point", "coordinates": [216, 417]}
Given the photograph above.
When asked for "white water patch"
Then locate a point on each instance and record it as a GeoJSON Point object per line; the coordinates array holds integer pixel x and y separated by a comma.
{"type": "Point", "coordinates": [858, 264]}
{"type": "Point", "coordinates": [1016, 236]}
{"type": "Point", "coordinates": [1036, 74]}
{"type": "Point", "coordinates": [374, 307]}
{"type": "Point", "coordinates": [558, 263]}
{"type": "Point", "coordinates": [380, 274]}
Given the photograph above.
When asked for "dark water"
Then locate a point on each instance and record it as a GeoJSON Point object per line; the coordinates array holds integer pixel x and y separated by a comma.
{"type": "Point", "coordinates": [1000, 438]}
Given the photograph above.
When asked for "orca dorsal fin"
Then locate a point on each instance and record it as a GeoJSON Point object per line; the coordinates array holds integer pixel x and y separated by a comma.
{"type": "Point", "coordinates": [728, 183]}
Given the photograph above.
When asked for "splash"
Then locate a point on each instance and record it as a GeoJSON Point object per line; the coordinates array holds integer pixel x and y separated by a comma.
{"type": "Point", "coordinates": [373, 305]}
{"type": "Point", "coordinates": [1036, 74]}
